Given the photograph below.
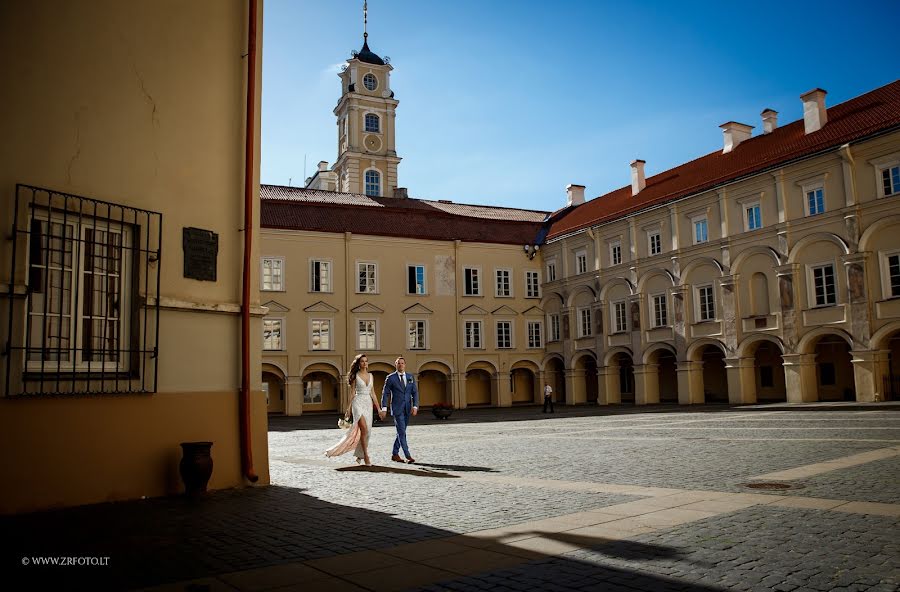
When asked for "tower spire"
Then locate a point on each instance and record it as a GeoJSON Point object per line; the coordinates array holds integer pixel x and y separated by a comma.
{"type": "Point", "coordinates": [365, 20]}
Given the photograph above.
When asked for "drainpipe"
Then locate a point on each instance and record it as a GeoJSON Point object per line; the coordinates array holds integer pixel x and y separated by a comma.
{"type": "Point", "coordinates": [244, 408]}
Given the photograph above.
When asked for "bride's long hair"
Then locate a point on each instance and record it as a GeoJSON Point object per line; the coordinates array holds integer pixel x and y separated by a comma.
{"type": "Point", "coordinates": [354, 368]}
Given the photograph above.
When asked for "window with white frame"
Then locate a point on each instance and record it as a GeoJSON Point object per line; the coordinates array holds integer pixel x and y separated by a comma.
{"type": "Point", "coordinates": [581, 262]}
{"type": "Point", "coordinates": [504, 334]}
{"type": "Point", "coordinates": [372, 123]}
{"type": "Point", "coordinates": [706, 304]}
{"type": "Point", "coordinates": [370, 81]}
{"type": "Point", "coordinates": [752, 216]}
{"type": "Point", "coordinates": [815, 201]}
{"type": "Point", "coordinates": [272, 277]}
{"type": "Point", "coordinates": [472, 334]}
{"type": "Point", "coordinates": [416, 334]}
{"type": "Point", "coordinates": [655, 239]}
{"type": "Point", "coordinates": [272, 334]}
{"type": "Point", "coordinates": [504, 289]}
{"type": "Point", "coordinates": [532, 284]}
{"type": "Point", "coordinates": [551, 271]}
{"type": "Point", "coordinates": [615, 253]}
{"type": "Point", "coordinates": [553, 321]}
{"type": "Point", "coordinates": [415, 279]}
{"type": "Point", "coordinates": [367, 336]}
{"type": "Point", "coordinates": [535, 332]}
{"type": "Point", "coordinates": [660, 310]}
{"type": "Point", "coordinates": [472, 278]}
{"type": "Point", "coordinates": [824, 289]}
{"type": "Point", "coordinates": [584, 322]}
{"type": "Point", "coordinates": [320, 337]}
{"type": "Point", "coordinates": [701, 230]}
{"type": "Point", "coordinates": [79, 283]}
{"type": "Point", "coordinates": [312, 392]}
{"type": "Point", "coordinates": [320, 276]}
{"type": "Point", "coordinates": [892, 269]}
{"type": "Point", "coordinates": [890, 180]}
{"type": "Point", "coordinates": [373, 183]}
{"type": "Point", "coordinates": [619, 320]}
{"type": "Point", "coordinates": [366, 274]}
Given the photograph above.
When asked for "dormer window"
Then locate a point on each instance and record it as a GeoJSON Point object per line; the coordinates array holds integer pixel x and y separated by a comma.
{"type": "Point", "coordinates": [373, 123]}
{"type": "Point", "coordinates": [370, 82]}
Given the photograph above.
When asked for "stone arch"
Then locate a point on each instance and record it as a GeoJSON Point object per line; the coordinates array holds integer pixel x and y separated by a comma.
{"type": "Point", "coordinates": [325, 366]}
{"type": "Point", "coordinates": [551, 298]}
{"type": "Point", "coordinates": [655, 348]}
{"type": "Point", "coordinates": [881, 337]}
{"type": "Point", "coordinates": [581, 354]}
{"type": "Point", "coordinates": [612, 352]}
{"type": "Point", "coordinates": [604, 292]}
{"type": "Point", "coordinates": [584, 367]}
{"type": "Point", "coordinates": [274, 368]}
{"type": "Point", "coordinates": [814, 238]}
{"type": "Point", "coordinates": [579, 290]}
{"type": "Point", "coordinates": [754, 250]}
{"type": "Point", "coordinates": [699, 262]}
{"type": "Point", "coordinates": [743, 349]}
{"type": "Point", "coordinates": [554, 370]}
{"type": "Point", "coordinates": [697, 346]}
{"type": "Point", "coordinates": [524, 383]}
{"type": "Point", "coordinates": [808, 342]}
{"type": "Point", "coordinates": [549, 357]}
{"type": "Point", "coordinates": [653, 273]}
{"type": "Point", "coordinates": [381, 367]}
{"type": "Point", "coordinates": [874, 227]}
{"type": "Point", "coordinates": [436, 365]}
{"type": "Point", "coordinates": [482, 365]}
{"type": "Point", "coordinates": [526, 364]}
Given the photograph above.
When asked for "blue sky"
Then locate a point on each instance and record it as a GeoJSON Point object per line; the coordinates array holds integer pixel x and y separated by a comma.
{"type": "Point", "coordinates": [505, 103]}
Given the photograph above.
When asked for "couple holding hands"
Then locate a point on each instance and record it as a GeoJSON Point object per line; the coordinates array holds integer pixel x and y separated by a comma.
{"type": "Point", "coordinates": [399, 391]}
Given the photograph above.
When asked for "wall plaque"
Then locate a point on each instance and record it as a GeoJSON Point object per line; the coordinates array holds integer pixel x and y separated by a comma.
{"type": "Point", "coordinates": [201, 248]}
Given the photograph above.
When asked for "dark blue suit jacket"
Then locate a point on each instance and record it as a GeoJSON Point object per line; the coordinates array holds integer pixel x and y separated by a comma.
{"type": "Point", "coordinates": [402, 399]}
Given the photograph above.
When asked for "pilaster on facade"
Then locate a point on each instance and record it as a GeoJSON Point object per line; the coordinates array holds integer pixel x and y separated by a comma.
{"type": "Point", "coordinates": [690, 382]}
{"type": "Point", "coordinates": [501, 388]}
{"type": "Point", "coordinates": [576, 393]}
{"type": "Point", "coordinates": [458, 389]}
{"type": "Point", "coordinates": [848, 166]}
{"type": "Point", "coordinates": [608, 386]}
{"type": "Point", "coordinates": [780, 205]}
{"type": "Point", "coordinates": [679, 319]}
{"type": "Point", "coordinates": [788, 275]}
{"type": "Point", "coordinates": [868, 366]}
{"type": "Point", "coordinates": [728, 283]}
{"type": "Point", "coordinates": [646, 384]}
{"type": "Point", "coordinates": [857, 296]}
{"type": "Point", "coordinates": [800, 377]}
{"type": "Point", "coordinates": [741, 377]}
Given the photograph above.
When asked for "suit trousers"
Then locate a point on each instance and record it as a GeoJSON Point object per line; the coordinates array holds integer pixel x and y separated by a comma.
{"type": "Point", "coordinates": [400, 422]}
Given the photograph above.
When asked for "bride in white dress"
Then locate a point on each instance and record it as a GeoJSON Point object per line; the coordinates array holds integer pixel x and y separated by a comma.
{"type": "Point", "coordinates": [361, 406]}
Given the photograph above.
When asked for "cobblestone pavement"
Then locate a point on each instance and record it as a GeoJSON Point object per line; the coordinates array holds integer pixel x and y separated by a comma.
{"type": "Point", "coordinates": [584, 499]}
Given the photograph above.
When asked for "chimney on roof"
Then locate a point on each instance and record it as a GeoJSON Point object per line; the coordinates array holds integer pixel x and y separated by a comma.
{"type": "Point", "coordinates": [770, 120]}
{"type": "Point", "coordinates": [574, 194]}
{"type": "Point", "coordinates": [815, 116]}
{"type": "Point", "coordinates": [734, 133]}
{"type": "Point", "coordinates": [323, 166]}
{"type": "Point", "coordinates": [401, 193]}
{"type": "Point", "coordinates": [638, 181]}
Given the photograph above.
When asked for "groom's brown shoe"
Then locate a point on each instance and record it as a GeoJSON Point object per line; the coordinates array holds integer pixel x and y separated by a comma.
{"type": "Point", "coordinates": [396, 458]}
{"type": "Point", "coordinates": [411, 460]}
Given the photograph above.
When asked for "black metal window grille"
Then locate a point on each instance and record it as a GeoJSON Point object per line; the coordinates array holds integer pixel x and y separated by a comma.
{"type": "Point", "coordinates": [83, 296]}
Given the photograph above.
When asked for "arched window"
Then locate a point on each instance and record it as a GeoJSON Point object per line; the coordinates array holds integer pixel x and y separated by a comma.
{"type": "Point", "coordinates": [759, 294]}
{"type": "Point", "coordinates": [372, 123]}
{"type": "Point", "coordinates": [373, 183]}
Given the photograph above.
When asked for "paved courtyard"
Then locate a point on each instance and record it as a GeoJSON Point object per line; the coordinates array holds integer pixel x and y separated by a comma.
{"type": "Point", "coordinates": [583, 499]}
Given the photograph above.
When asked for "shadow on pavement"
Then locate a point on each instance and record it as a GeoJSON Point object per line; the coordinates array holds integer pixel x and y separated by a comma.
{"type": "Point", "coordinates": [458, 468]}
{"type": "Point", "coordinates": [397, 471]}
{"type": "Point", "coordinates": [166, 540]}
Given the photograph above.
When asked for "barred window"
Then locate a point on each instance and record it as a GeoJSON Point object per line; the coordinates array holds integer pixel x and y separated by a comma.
{"type": "Point", "coordinates": [83, 327]}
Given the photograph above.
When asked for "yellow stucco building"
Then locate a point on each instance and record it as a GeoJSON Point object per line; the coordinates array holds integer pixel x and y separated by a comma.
{"type": "Point", "coordinates": [125, 172]}
{"type": "Point", "coordinates": [768, 270]}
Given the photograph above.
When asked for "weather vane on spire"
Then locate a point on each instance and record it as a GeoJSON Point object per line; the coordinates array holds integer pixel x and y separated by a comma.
{"type": "Point", "coordinates": [365, 19]}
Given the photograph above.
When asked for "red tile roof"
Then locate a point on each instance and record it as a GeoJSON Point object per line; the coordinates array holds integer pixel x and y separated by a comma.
{"type": "Point", "coordinates": [874, 112]}
{"type": "Point", "coordinates": [333, 197]}
{"type": "Point", "coordinates": [410, 218]}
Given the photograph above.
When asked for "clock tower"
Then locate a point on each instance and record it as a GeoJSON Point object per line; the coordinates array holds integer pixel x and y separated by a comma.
{"type": "Point", "coordinates": [367, 155]}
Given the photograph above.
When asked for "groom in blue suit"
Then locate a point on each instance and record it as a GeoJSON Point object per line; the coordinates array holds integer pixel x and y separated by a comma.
{"type": "Point", "coordinates": [401, 388]}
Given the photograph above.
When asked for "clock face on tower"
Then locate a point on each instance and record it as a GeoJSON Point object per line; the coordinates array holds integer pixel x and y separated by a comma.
{"type": "Point", "coordinates": [373, 143]}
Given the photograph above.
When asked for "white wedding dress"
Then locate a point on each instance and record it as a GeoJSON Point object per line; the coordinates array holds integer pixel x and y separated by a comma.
{"type": "Point", "coordinates": [361, 407]}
